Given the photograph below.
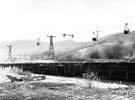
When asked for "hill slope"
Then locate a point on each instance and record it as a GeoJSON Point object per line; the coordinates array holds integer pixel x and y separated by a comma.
{"type": "Point", "coordinates": [127, 39]}
{"type": "Point", "coordinates": [30, 47]}
{"type": "Point", "coordinates": [21, 47]}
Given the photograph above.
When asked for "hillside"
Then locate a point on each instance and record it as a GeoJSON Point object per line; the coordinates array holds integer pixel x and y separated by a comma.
{"type": "Point", "coordinates": [21, 47]}
{"type": "Point", "coordinates": [30, 47]}
{"type": "Point", "coordinates": [67, 45]}
{"type": "Point", "coordinates": [84, 50]}
{"type": "Point", "coordinates": [127, 39]}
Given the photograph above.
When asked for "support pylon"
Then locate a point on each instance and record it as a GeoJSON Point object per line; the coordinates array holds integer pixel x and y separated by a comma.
{"type": "Point", "coordinates": [10, 53]}
{"type": "Point", "coordinates": [51, 48]}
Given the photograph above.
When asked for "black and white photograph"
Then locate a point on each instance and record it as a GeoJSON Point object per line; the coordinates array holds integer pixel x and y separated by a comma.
{"type": "Point", "coordinates": [67, 50]}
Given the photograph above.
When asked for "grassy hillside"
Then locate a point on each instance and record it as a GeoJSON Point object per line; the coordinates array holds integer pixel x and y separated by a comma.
{"type": "Point", "coordinates": [21, 47]}
{"type": "Point", "coordinates": [98, 47]}
{"type": "Point", "coordinates": [127, 39]}
{"type": "Point", "coordinates": [68, 46]}
{"type": "Point", "coordinates": [30, 47]}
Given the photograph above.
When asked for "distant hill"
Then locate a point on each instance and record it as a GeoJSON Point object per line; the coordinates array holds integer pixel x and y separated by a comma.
{"type": "Point", "coordinates": [67, 45]}
{"type": "Point", "coordinates": [85, 48]}
{"type": "Point", "coordinates": [20, 47]}
{"type": "Point", "coordinates": [30, 47]}
{"type": "Point", "coordinates": [108, 40]}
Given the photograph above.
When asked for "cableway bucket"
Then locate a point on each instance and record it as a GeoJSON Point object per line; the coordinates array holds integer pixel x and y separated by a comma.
{"type": "Point", "coordinates": [126, 29]}
{"type": "Point", "coordinates": [126, 32]}
{"type": "Point", "coordinates": [38, 41]}
{"type": "Point", "coordinates": [94, 39]}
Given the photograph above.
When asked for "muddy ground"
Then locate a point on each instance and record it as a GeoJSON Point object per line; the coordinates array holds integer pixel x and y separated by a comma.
{"type": "Point", "coordinates": [47, 90]}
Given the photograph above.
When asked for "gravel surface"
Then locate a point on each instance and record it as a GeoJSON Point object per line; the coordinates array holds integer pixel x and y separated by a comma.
{"type": "Point", "coordinates": [61, 88]}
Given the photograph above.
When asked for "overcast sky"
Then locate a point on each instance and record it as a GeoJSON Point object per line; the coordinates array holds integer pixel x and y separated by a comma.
{"type": "Point", "coordinates": [30, 19]}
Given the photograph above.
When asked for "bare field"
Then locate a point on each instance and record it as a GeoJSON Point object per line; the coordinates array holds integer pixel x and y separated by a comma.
{"type": "Point", "coordinates": [61, 88]}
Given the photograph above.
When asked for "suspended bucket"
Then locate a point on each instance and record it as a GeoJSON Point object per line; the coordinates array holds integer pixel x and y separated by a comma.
{"type": "Point", "coordinates": [95, 38]}
{"type": "Point", "coordinates": [72, 36]}
{"type": "Point", "coordinates": [38, 41]}
{"type": "Point", "coordinates": [64, 35]}
{"type": "Point", "coordinates": [126, 29]}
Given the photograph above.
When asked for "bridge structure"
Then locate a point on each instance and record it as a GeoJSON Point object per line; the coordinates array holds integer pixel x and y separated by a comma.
{"type": "Point", "coordinates": [121, 71]}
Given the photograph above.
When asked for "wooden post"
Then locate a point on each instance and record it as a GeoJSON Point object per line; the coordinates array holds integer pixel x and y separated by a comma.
{"type": "Point", "coordinates": [110, 74]}
{"type": "Point", "coordinates": [56, 67]}
{"type": "Point", "coordinates": [65, 70]}
{"type": "Point", "coordinates": [73, 71]}
{"type": "Point", "coordinates": [127, 73]}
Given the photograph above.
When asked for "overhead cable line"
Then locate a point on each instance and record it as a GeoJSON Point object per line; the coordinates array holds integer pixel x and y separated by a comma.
{"type": "Point", "coordinates": [85, 32]}
{"type": "Point", "coordinates": [100, 29]}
